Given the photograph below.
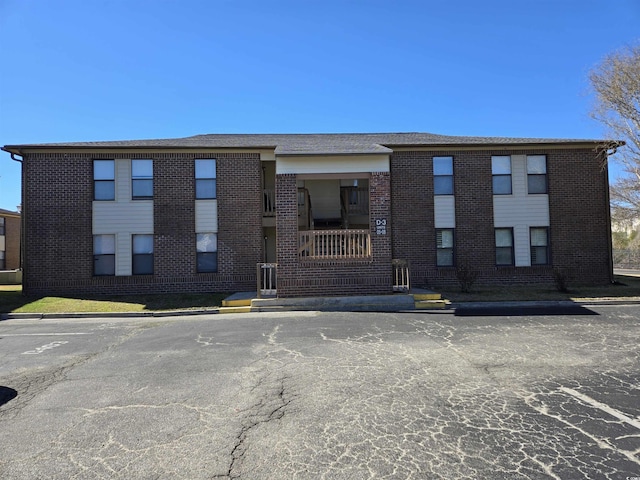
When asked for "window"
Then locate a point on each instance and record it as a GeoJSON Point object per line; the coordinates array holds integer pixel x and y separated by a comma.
{"type": "Point", "coordinates": [104, 183]}
{"type": "Point", "coordinates": [2, 260]}
{"type": "Point", "coordinates": [207, 252]}
{"type": "Point", "coordinates": [104, 254]}
{"type": "Point", "coordinates": [444, 247]}
{"type": "Point", "coordinates": [2, 226]}
{"type": "Point", "coordinates": [141, 179]}
{"type": "Point", "coordinates": [443, 175]}
{"type": "Point", "coordinates": [205, 178]}
{"type": "Point", "coordinates": [142, 254]}
{"type": "Point", "coordinates": [504, 246]}
{"type": "Point", "coordinates": [501, 171]}
{"type": "Point", "coordinates": [539, 245]}
{"type": "Point", "coordinates": [537, 173]}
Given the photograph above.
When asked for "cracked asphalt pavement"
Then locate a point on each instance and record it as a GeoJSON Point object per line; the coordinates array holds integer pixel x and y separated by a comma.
{"type": "Point", "coordinates": [308, 395]}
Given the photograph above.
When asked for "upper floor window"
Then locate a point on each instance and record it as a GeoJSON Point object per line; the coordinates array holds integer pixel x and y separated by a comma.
{"type": "Point", "coordinates": [104, 254]}
{"type": "Point", "coordinates": [142, 254]}
{"type": "Point", "coordinates": [104, 180]}
{"type": "Point", "coordinates": [501, 171]}
{"type": "Point", "coordinates": [537, 173]}
{"type": "Point", "coordinates": [539, 237]}
{"type": "Point", "coordinates": [443, 175]}
{"type": "Point", "coordinates": [2, 226]}
{"type": "Point", "coordinates": [504, 246]}
{"type": "Point", "coordinates": [141, 179]}
{"type": "Point", "coordinates": [205, 178]}
{"type": "Point", "coordinates": [444, 247]}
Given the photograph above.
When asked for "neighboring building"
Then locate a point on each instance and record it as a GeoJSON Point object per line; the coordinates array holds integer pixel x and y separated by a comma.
{"type": "Point", "coordinates": [332, 210]}
{"type": "Point", "coordinates": [9, 240]}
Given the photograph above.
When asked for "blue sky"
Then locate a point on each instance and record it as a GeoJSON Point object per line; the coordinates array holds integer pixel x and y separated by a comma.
{"type": "Point", "coordinates": [81, 70]}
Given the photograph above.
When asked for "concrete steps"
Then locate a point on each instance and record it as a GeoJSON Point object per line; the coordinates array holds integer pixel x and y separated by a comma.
{"type": "Point", "coordinates": [245, 302]}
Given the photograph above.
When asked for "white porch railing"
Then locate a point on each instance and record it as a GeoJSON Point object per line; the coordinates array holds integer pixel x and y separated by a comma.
{"type": "Point", "coordinates": [266, 275]}
{"type": "Point", "coordinates": [269, 202]}
{"type": "Point", "coordinates": [334, 244]}
{"type": "Point", "coordinates": [400, 275]}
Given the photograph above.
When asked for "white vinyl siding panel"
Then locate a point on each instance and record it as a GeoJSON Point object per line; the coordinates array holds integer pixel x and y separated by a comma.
{"type": "Point", "coordinates": [123, 254]}
{"type": "Point", "coordinates": [512, 210]}
{"type": "Point", "coordinates": [444, 208]}
{"type": "Point", "coordinates": [121, 217]}
{"type": "Point", "coordinates": [123, 180]}
{"type": "Point", "coordinates": [519, 175]}
{"type": "Point", "coordinates": [333, 164]}
{"type": "Point", "coordinates": [521, 245]}
{"type": "Point", "coordinates": [520, 211]}
{"type": "Point", "coordinates": [2, 243]}
{"type": "Point", "coordinates": [206, 216]}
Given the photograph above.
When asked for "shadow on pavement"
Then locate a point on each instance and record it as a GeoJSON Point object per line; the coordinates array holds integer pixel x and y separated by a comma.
{"type": "Point", "coordinates": [7, 394]}
{"type": "Point", "coordinates": [524, 311]}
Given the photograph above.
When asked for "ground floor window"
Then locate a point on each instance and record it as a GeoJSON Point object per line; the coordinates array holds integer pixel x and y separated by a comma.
{"type": "Point", "coordinates": [2, 260]}
{"type": "Point", "coordinates": [539, 245]}
{"type": "Point", "coordinates": [207, 252]}
{"type": "Point", "coordinates": [504, 246]}
{"type": "Point", "coordinates": [104, 254]}
{"type": "Point", "coordinates": [142, 254]}
{"type": "Point", "coordinates": [444, 247]}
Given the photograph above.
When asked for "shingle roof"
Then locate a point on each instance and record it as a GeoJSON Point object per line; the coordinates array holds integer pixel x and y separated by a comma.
{"type": "Point", "coordinates": [9, 212]}
{"type": "Point", "coordinates": [310, 144]}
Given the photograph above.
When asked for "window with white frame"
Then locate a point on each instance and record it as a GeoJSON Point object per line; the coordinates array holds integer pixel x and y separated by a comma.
{"type": "Point", "coordinates": [444, 247]}
{"type": "Point", "coordinates": [142, 254]}
{"type": "Point", "coordinates": [539, 238]}
{"type": "Point", "coordinates": [443, 175]}
{"type": "Point", "coordinates": [501, 172]}
{"type": "Point", "coordinates": [141, 179]}
{"type": "Point", "coordinates": [207, 252]}
{"type": "Point", "coordinates": [536, 174]}
{"type": "Point", "coordinates": [104, 180]}
{"type": "Point", "coordinates": [205, 178]}
{"type": "Point", "coordinates": [104, 255]}
{"type": "Point", "coordinates": [504, 246]}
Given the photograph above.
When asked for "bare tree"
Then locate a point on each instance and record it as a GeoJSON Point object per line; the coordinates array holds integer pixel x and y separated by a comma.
{"type": "Point", "coordinates": [616, 82]}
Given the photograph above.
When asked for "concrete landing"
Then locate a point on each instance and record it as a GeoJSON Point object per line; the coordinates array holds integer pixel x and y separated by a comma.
{"type": "Point", "coordinates": [243, 302]}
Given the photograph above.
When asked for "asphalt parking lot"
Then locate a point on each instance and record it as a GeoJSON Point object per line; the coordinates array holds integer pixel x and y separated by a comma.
{"type": "Point", "coordinates": [509, 394]}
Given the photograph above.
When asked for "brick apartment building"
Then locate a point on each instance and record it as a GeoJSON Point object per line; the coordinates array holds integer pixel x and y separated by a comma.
{"type": "Point", "coordinates": [325, 214]}
{"type": "Point", "coordinates": [9, 240]}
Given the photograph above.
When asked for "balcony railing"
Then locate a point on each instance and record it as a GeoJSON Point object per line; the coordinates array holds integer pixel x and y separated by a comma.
{"type": "Point", "coordinates": [269, 202]}
{"type": "Point", "coordinates": [334, 244]}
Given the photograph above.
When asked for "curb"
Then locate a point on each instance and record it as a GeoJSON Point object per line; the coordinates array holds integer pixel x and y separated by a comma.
{"type": "Point", "coordinates": [321, 308]}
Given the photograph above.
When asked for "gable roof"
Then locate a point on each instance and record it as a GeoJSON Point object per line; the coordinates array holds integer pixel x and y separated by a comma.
{"type": "Point", "coordinates": [310, 144]}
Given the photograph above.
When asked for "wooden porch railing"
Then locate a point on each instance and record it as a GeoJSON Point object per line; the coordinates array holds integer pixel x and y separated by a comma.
{"type": "Point", "coordinates": [400, 275]}
{"type": "Point", "coordinates": [334, 244]}
{"type": "Point", "coordinates": [355, 200]}
{"type": "Point", "coordinates": [269, 202]}
{"type": "Point", "coordinates": [266, 275]}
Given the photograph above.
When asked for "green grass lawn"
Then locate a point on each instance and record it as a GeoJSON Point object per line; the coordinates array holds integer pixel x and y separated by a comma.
{"type": "Point", "coordinates": [12, 301]}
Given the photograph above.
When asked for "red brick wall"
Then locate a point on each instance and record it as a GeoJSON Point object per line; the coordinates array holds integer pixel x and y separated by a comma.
{"type": "Point", "coordinates": [59, 242]}
{"type": "Point", "coordinates": [12, 242]}
{"type": "Point", "coordinates": [578, 218]}
{"type": "Point", "coordinates": [297, 278]}
{"type": "Point", "coordinates": [578, 204]}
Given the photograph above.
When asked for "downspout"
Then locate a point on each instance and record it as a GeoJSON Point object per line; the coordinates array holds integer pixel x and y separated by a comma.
{"type": "Point", "coordinates": [607, 153]}
{"type": "Point", "coordinates": [22, 214]}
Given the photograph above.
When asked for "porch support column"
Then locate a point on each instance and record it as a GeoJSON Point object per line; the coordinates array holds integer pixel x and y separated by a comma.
{"type": "Point", "coordinates": [380, 223]}
{"type": "Point", "coordinates": [286, 231]}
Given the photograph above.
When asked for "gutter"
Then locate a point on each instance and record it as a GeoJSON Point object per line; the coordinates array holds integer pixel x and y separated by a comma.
{"type": "Point", "coordinates": [22, 210]}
